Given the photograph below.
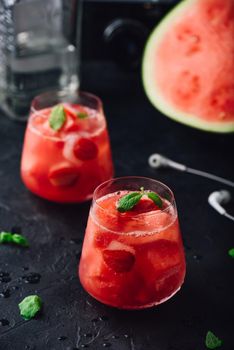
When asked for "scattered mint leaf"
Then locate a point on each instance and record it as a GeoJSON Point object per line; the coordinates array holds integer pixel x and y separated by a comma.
{"type": "Point", "coordinates": [20, 240]}
{"type": "Point", "coordinates": [128, 201]}
{"type": "Point", "coordinates": [231, 252]}
{"type": "Point", "coordinates": [57, 117]}
{"type": "Point", "coordinates": [14, 238]}
{"type": "Point", "coordinates": [5, 237]}
{"type": "Point", "coordinates": [155, 198]}
{"type": "Point", "coordinates": [82, 115]}
{"type": "Point", "coordinates": [30, 306]}
{"type": "Point", "coordinates": [212, 342]}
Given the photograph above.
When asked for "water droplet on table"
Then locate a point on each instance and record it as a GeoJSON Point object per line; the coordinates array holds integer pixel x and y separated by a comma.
{"type": "Point", "coordinates": [62, 337]}
{"type": "Point", "coordinates": [103, 318]}
{"type": "Point", "coordinates": [88, 335]}
{"type": "Point", "coordinates": [4, 274]}
{"type": "Point", "coordinates": [75, 241]}
{"type": "Point", "coordinates": [197, 257]}
{"type": "Point", "coordinates": [106, 345]}
{"type": "Point", "coordinates": [4, 322]}
{"type": "Point", "coordinates": [115, 337]}
{"type": "Point", "coordinates": [5, 293]}
{"type": "Point", "coordinates": [25, 268]}
{"type": "Point", "coordinates": [15, 287]}
{"type": "Point", "coordinates": [32, 278]}
{"type": "Point", "coordinates": [5, 279]}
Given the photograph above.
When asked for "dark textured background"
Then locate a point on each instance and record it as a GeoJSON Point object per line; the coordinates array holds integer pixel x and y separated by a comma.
{"type": "Point", "coordinates": [56, 233]}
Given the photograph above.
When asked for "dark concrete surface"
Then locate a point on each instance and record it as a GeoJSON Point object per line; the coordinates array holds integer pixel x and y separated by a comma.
{"type": "Point", "coordinates": [70, 318]}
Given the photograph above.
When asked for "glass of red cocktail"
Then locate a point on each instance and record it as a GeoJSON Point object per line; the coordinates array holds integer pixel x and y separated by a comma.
{"type": "Point", "coordinates": [132, 255]}
{"type": "Point", "coordinates": [66, 152]}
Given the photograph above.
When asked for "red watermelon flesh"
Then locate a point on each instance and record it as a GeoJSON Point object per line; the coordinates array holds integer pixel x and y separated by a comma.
{"type": "Point", "coordinates": [188, 66]}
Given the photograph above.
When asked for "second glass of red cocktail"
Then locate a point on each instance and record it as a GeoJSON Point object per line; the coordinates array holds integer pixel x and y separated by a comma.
{"type": "Point", "coordinates": [66, 152]}
{"type": "Point", "coordinates": [132, 255]}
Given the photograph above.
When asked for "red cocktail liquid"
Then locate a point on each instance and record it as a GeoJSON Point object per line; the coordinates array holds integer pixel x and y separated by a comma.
{"type": "Point", "coordinates": [66, 165]}
{"type": "Point", "coordinates": [135, 259]}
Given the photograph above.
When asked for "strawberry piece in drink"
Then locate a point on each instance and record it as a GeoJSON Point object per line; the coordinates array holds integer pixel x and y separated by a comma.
{"type": "Point", "coordinates": [119, 257]}
{"type": "Point", "coordinates": [85, 149]}
{"type": "Point", "coordinates": [63, 175]}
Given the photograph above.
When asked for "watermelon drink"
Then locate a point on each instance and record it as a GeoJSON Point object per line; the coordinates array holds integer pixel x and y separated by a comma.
{"type": "Point", "coordinates": [66, 152]}
{"type": "Point", "coordinates": [132, 255]}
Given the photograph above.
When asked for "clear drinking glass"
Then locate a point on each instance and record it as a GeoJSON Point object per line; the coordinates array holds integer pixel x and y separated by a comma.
{"type": "Point", "coordinates": [39, 50]}
{"type": "Point", "coordinates": [135, 259]}
{"type": "Point", "coordinates": [66, 165]}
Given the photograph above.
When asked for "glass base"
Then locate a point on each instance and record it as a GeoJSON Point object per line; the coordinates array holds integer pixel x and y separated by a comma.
{"type": "Point", "coordinates": [137, 307]}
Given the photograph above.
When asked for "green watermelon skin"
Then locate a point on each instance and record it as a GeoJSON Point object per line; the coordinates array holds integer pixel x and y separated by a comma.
{"type": "Point", "coordinates": [188, 65]}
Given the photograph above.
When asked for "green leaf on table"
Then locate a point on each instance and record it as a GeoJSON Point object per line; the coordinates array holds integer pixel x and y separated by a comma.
{"type": "Point", "coordinates": [212, 342]}
{"type": "Point", "coordinates": [5, 237]}
{"type": "Point", "coordinates": [128, 201]}
{"type": "Point", "coordinates": [30, 306]}
{"type": "Point", "coordinates": [155, 198]}
{"type": "Point", "coordinates": [57, 117]}
{"type": "Point", "coordinates": [231, 252]}
{"type": "Point", "coordinates": [82, 115]}
{"type": "Point", "coordinates": [13, 238]}
{"type": "Point", "coordinates": [19, 240]}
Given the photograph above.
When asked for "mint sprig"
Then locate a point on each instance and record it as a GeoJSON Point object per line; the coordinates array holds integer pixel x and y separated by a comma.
{"type": "Point", "coordinates": [212, 342]}
{"type": "Point", "coordinates": [57, 117]}
{"type": "Point", "coordinates": [128, 201]}
{"type": "Point", "coordinates": [155, 198]}
{"type": "Point", "coordinates": [13, 238]}
{"type": "Point", "coordinates": [30, 306]}
{"type": "Point", "coordinates": [82, 115]}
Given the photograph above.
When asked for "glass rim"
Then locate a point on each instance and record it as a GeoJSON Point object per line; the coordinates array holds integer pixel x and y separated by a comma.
{"type": "Point", "coordinates": [171, 205]}
{"type": "Point", "coordinates": [64, 93]}
{"type": "Point", "coordinates": [34, 113]}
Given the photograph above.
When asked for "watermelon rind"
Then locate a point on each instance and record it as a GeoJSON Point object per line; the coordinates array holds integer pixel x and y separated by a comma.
{"type": "Point", "coordinates": [153, 93]}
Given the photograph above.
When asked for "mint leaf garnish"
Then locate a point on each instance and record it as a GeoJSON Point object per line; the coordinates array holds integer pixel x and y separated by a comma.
{"type": "Point", "coordinates": [30, 306]}
{"type": "Point", "coordinates": [155, 198]}
{"type": "Point", "coordinates": [82, 115]}
{"type": "Point", "coordinates": [231, 252]}
{"type": "Point", "coordinates": [57, 117]}
{"type": "Point", "coordinates": [14, 238]}
{"type": "Point", "coordinates": [212, 342]}
{"type": "Point", "coordinates": [20, 240]}
{"type": "Point", "coordinates": [128, 201]}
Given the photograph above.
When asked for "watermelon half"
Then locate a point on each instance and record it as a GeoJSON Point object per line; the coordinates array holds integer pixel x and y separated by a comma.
{"type": "Point", "coordinates": [188, 65]}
